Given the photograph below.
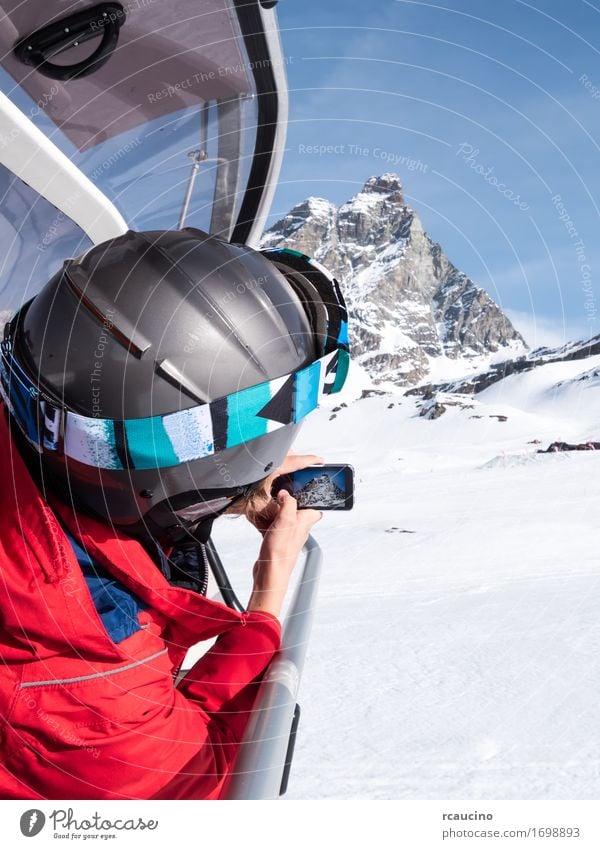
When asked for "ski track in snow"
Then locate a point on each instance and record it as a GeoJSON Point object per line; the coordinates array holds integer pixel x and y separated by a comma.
{"type": "Point", "coordinates": [458, 661]}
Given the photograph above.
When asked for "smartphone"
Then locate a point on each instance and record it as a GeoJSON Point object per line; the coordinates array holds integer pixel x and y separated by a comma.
{"type": "Point", "coordinates": [327, 487]}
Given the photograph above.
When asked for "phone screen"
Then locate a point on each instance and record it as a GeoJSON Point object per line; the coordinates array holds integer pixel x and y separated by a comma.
{"type": "Point", "coordinates": [328, 487]}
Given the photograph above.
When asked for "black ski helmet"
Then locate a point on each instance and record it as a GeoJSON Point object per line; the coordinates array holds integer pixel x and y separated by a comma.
{"type": "Point", "coordinates": [163, 372]}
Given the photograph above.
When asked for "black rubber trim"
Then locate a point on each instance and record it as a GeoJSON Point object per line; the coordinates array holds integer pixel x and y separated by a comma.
{"type": "Point", "coordinates": [289, 755]}
{"type": "Point", "coordinates": [250, 21]}
{"type": "Point", "coordinates": [221, 577]}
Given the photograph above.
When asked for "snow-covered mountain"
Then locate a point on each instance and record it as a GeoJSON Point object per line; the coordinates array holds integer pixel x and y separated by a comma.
{"type": "Point", "coordinates": [409, 305]}
{"type": "Point", "coordinates": [320, 490]}
{"type": "Point", "coordinates": [583, 372]}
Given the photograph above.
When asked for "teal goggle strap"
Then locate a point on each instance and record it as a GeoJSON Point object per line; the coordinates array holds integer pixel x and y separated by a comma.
{"type": "Point", "coordinates": [173, 438]}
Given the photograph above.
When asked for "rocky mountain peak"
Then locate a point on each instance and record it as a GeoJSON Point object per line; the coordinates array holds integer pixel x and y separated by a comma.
{"type": "Point", "coordinates": [385, 184]}
{"type": "Point", "coordinates": [317, 206]}
{"type": "Point", "coordinates": [407, 302]}
{"type": "Point", "coordinates": [320, 491]}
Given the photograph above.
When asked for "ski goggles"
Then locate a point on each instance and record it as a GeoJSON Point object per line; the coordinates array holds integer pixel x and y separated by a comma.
{"type": "Point", "coordinates": [320, 293]}
{"type": "Point", "coordinates": [183, 436]}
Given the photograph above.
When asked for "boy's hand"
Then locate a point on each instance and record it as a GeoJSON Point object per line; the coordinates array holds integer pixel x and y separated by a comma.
{"type": "Point", "coordinates": [284, 535]}
{"type": "Point", "coordinates": [269, 510]}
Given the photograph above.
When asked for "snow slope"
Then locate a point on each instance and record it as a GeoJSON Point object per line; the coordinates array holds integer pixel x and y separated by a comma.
{"type": "Point", "coordinates": [455, 649]}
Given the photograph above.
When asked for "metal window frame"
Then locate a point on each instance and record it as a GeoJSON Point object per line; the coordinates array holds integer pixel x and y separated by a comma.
{"type": "Point", "coordinates": [260, 31]}
{"type": "Point", "coordinates": [31, 156]}
{"type": "Point", "coordinates": [258, 769]}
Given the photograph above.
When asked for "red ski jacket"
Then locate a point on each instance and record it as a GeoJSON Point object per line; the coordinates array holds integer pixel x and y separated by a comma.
{"type": "Point", "coordinates": [84, 717]}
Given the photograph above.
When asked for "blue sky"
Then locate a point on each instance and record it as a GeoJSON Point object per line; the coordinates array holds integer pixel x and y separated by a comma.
{"type": "Point", "coordinates": [305, 475]}
{"type": "Point", "coordinates": [490, 114]}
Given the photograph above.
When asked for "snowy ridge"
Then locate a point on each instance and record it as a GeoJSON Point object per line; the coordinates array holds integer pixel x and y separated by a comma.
{"type": "Point", "coordinates": [485, 374]}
